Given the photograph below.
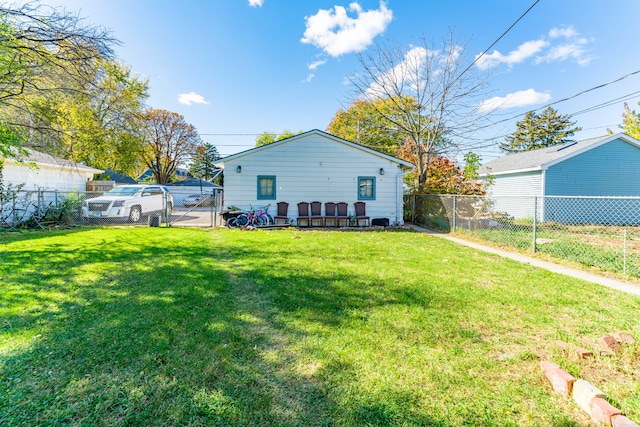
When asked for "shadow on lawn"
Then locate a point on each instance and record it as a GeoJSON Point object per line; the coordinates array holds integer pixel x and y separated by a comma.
{"type": "Point", "coordinates": [125, 331]}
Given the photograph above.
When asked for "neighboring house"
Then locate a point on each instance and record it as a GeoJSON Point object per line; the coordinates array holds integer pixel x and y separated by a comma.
{"type": "Point", "coordinates": [118, 178]}
{"type": "Point", "coordinates": [604, 166]}
{"type": "Point", "coordinates": [39, 171]}
{"type": "Point", "coordinates": [316, 166]}
{"type": "Point", "coordinates": [147, 176]}
{"type": "Point", "coordinates": [184, 188]}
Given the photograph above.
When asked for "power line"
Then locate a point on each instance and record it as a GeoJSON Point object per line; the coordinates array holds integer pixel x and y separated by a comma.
{"type": "Point", "coordinates": [498, 39]}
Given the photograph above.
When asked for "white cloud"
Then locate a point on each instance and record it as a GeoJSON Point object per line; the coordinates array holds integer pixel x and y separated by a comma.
{"type": "Point", "coordinates": [521, 98]}
{"type": "Point", "coordinates": [191, 98]}
{"type": "Point", "coordinates": [566, 32]}
{"type": "Point", "coordinates": [570, 47]}
{"type": "Point", "coordinates": [337, 34]}
{"type": "Point", "coordinates": [316, 64]}
{"type": "Point", "coordinates": [256, 3]}
{"type": "Point", "coordinates": [575, 51]}
{"type": "Point", "coordinates": [309, 78]}
{"type": "Point", "coordinates": [524, 51]}
{"type": "Point", "coordinates": [405, 71]}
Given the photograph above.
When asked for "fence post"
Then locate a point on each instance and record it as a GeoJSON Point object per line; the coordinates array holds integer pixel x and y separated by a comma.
{"type": "Point", "coordinates": [624, 256]}
{"type": "Point", "coordinates": [413, 210]}
{"type": "Point", "coordinates": [535, 221]}
{"type": "Point", "coordinates": [453, 226]}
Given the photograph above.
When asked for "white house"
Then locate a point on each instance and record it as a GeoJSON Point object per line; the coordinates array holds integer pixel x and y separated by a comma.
{"type": "Point", "coordinates": [39, 171]}
{"type": "Point", "coordinates": [316, 166]}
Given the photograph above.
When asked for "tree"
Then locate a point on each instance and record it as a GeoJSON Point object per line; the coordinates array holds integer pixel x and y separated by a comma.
{"type": "Point", "coordinates": [169, 141]}
{"type": "Point", "coordinates": [631, 122]}
{"type": "Point", "coordinates": [432, 99]}
{"type": "Point", "coordinates": [540, 130]}
{"type": "Point", "coordinates": [444, 176]}
{"type": "Point", "coordinates": [203, 160]}
{"type": "Point", "coordinates": [267, 137]}
{"type": "Point", "coordinates": [38, 44]}
{"type": "Point", "coordinates": [99, 125]}
{"type": "Point", "coordinates": [361, 123]}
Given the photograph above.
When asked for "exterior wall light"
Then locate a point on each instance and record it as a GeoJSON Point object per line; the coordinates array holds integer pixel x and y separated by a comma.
{"type": "Point", "coordinates": [239, 169]}
{"type": "Point", "coordinates": [381, 171]}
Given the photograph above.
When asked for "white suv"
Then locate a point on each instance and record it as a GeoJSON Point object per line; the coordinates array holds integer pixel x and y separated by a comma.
{"type": "Point", "coordinates": [129, 202]}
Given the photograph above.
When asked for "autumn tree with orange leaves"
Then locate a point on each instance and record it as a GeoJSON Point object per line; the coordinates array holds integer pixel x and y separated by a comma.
{"type": "Point", "coordinates": [169, 141]}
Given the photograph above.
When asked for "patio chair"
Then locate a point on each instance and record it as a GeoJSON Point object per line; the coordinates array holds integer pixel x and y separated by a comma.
{"type": "Point", "coordinates": [303, 214]}
{"type": "Point", "coordinates": [361, 214]}
{"type": "Point", "coordinates": [281, 215]}
{"type": "Point", "coordinates": [316, 214]}
{"type": "Point", "coordinates": [330, 219]}
{"type": "Point", "coordinates": [343, 216]}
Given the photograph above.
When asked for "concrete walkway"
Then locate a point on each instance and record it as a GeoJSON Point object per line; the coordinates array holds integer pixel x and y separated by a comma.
{"type": "Point", "coordinates": [629, 288]}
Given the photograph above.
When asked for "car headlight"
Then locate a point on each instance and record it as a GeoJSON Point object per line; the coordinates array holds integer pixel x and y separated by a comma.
{"type": "Point", "coordinates": [118, 203]}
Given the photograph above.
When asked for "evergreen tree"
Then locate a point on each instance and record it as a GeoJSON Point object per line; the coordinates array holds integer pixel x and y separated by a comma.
{"type": "Point", "coordinates": [202, 165]}
{"type": "Point", "coordinates": [540, 130]}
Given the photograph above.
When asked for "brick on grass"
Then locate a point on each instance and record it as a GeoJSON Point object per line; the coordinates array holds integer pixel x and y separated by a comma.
{"type": "Point", "coordinates": [609, 343]}
{"type": "Point", "coordinates": [602, 411]}
{"type": "Point", "coordinates": [622, 421]}
{"type": "Point", "coordinates": [624, 338]}
{"type": "Point", "coordinates": [583, 353]}
{"type": "Point", "coordinates": [583, 392]}
{"type": "Point", "coordinates": [546, 365]}
{"type": "Point", "coordinates": [561, 381]}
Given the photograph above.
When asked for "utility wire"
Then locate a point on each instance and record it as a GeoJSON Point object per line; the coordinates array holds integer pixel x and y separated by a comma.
{"type": "Point", "coordinates": [497, 40]}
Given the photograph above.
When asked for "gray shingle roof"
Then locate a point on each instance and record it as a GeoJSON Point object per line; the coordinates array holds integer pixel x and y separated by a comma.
{"type": "Point", "coordinates": [47, 159]}
{"type": "Point", "coordinates": [539, 159]}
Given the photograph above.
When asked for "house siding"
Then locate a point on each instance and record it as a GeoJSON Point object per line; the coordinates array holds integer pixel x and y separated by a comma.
{"type": "Point", "coordinates": [46, 177]}
{"type": "Point", "coordinates": [315, 168]}
{"type": "Point", "coordinates": [612, 169]}
{"type": "Point", "coordinates": [513, 193]}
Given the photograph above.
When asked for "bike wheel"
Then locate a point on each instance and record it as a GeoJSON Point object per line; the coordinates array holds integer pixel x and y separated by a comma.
{"type": "Point", "coordinates": [242, 220]}
{"type": "Point", "coordinates": [231, 223]}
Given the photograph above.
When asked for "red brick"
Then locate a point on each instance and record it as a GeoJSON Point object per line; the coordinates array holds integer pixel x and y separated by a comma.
{"type": "Point", "coordinates": [609, 343]}
{"type": "Point", "coordinates": [602, 411]}
{"type": "Point", "coordinates": [545, 365]}
{"type": "Point", "coordinates": [583, 353]}
{"type": "Point", "coordinates": [624, 338]}
{"type": "Point", "coordinates": [622, 421]}
{"type": "Point", "coordinates": [561, 381]}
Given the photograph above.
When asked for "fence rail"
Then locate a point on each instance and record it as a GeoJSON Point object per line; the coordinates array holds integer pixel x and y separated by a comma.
{"type": "Point", "coordinates": [44, 209]}
{"type": "Point", "coordinates": [600, 232]}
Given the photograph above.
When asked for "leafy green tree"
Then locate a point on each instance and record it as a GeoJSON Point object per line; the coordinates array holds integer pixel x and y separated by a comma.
{"type": "Point", "coordinates": [38, 44]}
{"type": "Point", "coordinates": [631, 122]}
{"type": "Point", "coordinates": [540, 130]}
{"type": "Point", "coordinates": [203, 160]}
{"type": "Point", "coordinates": [363, 124]}
{"type": "Point", "coordinates": [267, 137]}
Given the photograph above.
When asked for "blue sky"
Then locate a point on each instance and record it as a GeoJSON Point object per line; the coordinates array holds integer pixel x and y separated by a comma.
{"type": "Point", "coordinates": [237, 68]}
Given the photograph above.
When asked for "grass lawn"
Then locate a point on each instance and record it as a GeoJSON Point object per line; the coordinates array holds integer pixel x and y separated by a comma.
{"type": "Point", "coordinates": [188, 327]}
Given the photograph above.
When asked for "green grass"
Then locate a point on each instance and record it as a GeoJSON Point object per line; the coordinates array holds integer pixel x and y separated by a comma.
{"type": "Point", "coordinates": [160, 326]}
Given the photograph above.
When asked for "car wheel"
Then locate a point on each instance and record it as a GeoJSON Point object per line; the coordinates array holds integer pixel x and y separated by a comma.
{"type": "Point", "coordinates": [135, 214]}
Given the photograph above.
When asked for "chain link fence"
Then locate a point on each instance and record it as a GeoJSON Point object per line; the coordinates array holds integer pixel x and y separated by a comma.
{"type": "Point", "coordinates": [599, 232]}
{"type": "Point", "coordinates": [46, 209]}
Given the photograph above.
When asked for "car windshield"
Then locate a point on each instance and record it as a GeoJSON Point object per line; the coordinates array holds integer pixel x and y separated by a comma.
{"type": "Point", "coordinates": [122, 191]}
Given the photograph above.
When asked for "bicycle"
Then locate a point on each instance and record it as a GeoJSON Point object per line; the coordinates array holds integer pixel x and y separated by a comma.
{"type": "Point", "coordinates": [263, 213]}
